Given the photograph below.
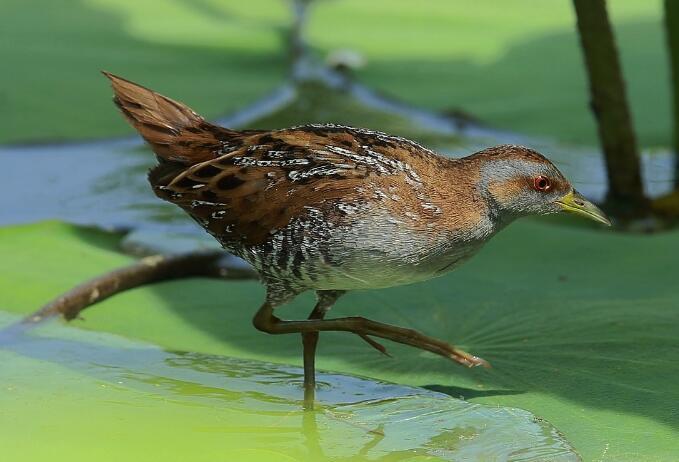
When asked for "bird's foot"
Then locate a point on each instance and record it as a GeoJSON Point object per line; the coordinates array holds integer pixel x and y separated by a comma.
{"type": "Point", "coordinates": [366, 328]}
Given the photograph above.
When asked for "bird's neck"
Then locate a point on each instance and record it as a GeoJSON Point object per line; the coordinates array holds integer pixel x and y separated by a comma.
{"type": "Point", "coordinates": [468, 200]}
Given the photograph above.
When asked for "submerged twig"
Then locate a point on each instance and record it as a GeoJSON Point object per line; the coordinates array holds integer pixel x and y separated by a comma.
{"type": "Point", "coordinates": [146, 271]}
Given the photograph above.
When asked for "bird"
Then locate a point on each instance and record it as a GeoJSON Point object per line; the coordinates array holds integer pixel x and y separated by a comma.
{"type": "Point", "coordinates": [331, 208]}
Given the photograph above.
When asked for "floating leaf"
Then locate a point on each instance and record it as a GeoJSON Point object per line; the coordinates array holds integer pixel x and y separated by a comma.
{"type": "Point", "coordinates": [580, 325]}
{"type": "Point", "coordinates": [83, 394]}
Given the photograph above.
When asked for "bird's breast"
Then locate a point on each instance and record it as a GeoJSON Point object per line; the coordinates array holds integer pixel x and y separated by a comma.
{"type": "Point", "coordinates": [372, 249]}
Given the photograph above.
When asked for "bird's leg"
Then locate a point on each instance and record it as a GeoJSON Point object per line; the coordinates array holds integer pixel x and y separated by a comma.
{"type": "Point", "coordinates": [265, 321]}
{"type": "Point", "coordinates": [309, 342]}
{"type": "Point", "coordinates": [326, 298]}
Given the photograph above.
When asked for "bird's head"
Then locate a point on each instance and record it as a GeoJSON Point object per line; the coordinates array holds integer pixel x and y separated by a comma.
{"type": "Point", "coordinates": [517, 181]}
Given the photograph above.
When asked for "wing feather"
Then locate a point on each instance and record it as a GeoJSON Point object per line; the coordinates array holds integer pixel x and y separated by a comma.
{"type": "Point", "coordinates": [248, 193]}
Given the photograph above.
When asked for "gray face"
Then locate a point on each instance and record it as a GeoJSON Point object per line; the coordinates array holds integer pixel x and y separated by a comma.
{"type": "Point", "coordinates": [518, 187]}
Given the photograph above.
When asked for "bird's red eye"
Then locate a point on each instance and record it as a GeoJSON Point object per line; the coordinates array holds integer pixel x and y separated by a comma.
{"type": "Point", "coordinates": [542, 183]}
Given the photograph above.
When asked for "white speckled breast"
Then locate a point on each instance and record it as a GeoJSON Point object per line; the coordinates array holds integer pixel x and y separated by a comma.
{"type": "Point", "coordinates": [374, 251]}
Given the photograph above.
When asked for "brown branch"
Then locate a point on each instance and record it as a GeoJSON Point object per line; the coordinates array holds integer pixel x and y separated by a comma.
{"type": "Point", "coordinates": [146, 271]}
{"type": "Point", "coordinates": [611, 110]}
{"type": "Point", "coordinates": [672, 34]}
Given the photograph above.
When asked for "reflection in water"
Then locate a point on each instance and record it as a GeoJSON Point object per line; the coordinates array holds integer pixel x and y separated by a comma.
{"type": "Point", "coordinates": [358, 419]}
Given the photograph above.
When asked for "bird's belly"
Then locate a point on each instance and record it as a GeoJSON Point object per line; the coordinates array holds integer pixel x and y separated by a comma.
{"type": "Point", "coordinates": [384, 253]}
{"type": "Point", "coordinates": [368, 254]}
{"type": "Point", "coordinates": [380, 272]}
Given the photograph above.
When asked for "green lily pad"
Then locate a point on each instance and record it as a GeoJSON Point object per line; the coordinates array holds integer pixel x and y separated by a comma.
{"type": "Point", "coordinates": [579, 324]}
{"type": "Point", "coordinates": [115, 399]}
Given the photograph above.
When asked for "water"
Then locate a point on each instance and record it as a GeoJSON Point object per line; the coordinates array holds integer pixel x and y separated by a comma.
{"type": "Point", "coordinates": [118, 399]}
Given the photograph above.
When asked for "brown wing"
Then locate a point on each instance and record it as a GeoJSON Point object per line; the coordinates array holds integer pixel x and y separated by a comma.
{"type": "Point", "coordinates": [243, 185]}
{"type": "Point", "coordinates": [254, 190]}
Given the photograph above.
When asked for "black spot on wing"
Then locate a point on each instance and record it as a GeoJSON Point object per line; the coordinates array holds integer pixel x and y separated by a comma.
{"type": "Point", "coordinates": [208, 195]}
{"type": "Point", "coordinates": [207, 171]}
{"type": "Point", "coordinates": [265, 139]}
{"type": "Point", "coordinates": [229, 182]}
{"type": "Point", "coordinates": [186, 183]}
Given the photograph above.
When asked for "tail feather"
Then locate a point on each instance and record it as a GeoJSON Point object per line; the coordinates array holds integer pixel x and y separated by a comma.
{"type": "Point", "coordinates": [174, 131]}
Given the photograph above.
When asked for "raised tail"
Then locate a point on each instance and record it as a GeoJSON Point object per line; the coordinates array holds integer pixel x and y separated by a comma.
{"type": "Point", "coordinates": [173, 130]}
